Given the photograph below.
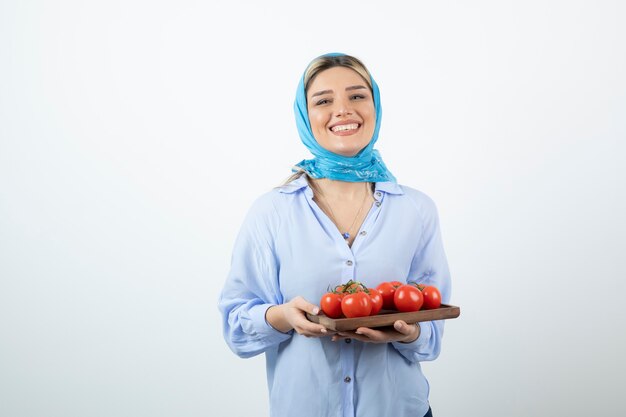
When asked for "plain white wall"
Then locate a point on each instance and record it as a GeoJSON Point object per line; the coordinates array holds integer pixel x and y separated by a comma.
{"type": "Point", "coordinates": [135, 134]}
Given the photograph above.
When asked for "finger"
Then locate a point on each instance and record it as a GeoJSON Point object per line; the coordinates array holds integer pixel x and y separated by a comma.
{"type": "Point", "coordinates": [308, 331]}
{"type": "Point", "coordinates": [345, 335]}
{"type": "Point", "coordinates": [310, 334]}
{"type": "Point", "coordinates": [336, 337]}
{"type": "Point", "coordinates": [358, 334]}
{"type": "Point", "coordinates": [308, 328]}
{"type": "Point", "coordinates": [304, 305]}
{"type": "Point", "coordinates": [402, 327]}
{"type": "Point", "coordinates": [366, 331]}
{"type": "Point", "coordinates": [364, 338]}
{"type": "Point", "coordinates": [367, 334]}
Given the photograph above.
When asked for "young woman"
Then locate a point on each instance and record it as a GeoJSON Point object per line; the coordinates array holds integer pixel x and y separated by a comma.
{"type": "Point", "coordinates": [342, 216]}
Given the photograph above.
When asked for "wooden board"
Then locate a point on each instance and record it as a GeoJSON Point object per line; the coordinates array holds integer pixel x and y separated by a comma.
{"type": "Point", "coordinates": [386, 318]}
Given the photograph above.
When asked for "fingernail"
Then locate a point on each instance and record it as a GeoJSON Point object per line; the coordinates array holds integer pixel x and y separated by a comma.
{"type": "Point", "coordinates": [358, 332]}
{"type": "Point", "coordinates": [315, 311]}
{"type": "Point", "coordinates": [323, 330]}
{"type": "Point", "coordinates": [398, 326]}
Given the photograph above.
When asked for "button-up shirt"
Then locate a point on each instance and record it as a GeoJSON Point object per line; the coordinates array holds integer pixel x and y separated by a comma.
{"type": "Point", "coordinates": [289, 247]}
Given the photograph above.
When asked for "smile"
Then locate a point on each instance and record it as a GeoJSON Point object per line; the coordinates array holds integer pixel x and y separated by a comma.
{"type": "Point", "coordinates": [344, 128]}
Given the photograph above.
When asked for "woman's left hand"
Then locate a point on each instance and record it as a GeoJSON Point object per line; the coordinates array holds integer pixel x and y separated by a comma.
{"type": "Point", "coordinates": [401, 332]}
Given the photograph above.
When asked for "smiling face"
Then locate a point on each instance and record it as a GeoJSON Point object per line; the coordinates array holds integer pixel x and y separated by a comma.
{"type": "Point", "coordinates": [341, 111]}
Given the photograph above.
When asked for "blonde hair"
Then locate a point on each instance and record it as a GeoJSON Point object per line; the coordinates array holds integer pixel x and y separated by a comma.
{"type": "Point", "coordinates": [325, 62]}
{"type": "Point", "coordinates": [297, 174]}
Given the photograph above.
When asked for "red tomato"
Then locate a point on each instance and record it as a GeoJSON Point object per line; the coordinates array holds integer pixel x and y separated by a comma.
{"type": "Point", "coordinates": [354, 287]}
{"type": "Point", "coordinates": [357, 304]}
{"type": "Point", "coordinates": [387, 289]}
{"type": "Point", "coordinates": [331, 305]}
{"type": "Point", "coordinates": [377, 301]}
{"type": "Point", "coordinates": [350, 286]}
{"type": "Point", "coordinates": [408, 298]}
{"type": "Point", "coordinates": [432, 297]}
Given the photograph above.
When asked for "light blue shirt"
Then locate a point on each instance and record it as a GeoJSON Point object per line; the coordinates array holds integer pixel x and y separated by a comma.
{"type": "Point", "coordinates": [287, 247]}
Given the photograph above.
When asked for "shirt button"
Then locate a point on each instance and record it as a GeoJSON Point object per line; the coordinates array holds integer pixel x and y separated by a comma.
{"type": "Point", "coordinates": [348, 340]}
{"type": "Point", "coordinates": [349, 263]}
{"type": "Point", "coordinates": [347, 379]}
{"type": "Point", "coordinates": [378, 194]}
{"type": "Point", "coordinates": [363, 233]}
{"type": "Point", "coordinates": [378, 203]}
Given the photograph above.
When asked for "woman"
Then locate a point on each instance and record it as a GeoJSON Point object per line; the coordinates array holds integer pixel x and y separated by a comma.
{"type": "Point", "coordinates": [342, 216]}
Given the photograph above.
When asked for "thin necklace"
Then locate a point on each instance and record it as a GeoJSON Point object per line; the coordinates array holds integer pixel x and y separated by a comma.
{"type": "Point", "coordinates": [346, 235]}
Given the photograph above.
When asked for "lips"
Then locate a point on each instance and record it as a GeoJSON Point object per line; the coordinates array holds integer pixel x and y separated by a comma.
{"type": "Point", "coordinates": [341, 128]}
{"type": "Point", "coordinates": [345, 127]}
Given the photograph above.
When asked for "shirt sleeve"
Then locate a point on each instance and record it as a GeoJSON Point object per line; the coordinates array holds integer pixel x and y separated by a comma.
{"type": "Point", "coordinates": [429, 267]}
{"type": "Point", "coordinates": [252, 284]}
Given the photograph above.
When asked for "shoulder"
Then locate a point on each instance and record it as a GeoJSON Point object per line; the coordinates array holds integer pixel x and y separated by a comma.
{"type": "Point", "coordinates": [260, 223]}
{"type": "Point", "coordinates": [410, 201]}
{"type": "Point", "coordinates": [407, 195]}
{"type": "Point", "coordinates": [270, 207]}
{"type": "Point", "coordinates": [421, 200]}
{"type": "Point", "coordinates": [264, 208]}
{"type": "Point", "coordinates": [422, 208]}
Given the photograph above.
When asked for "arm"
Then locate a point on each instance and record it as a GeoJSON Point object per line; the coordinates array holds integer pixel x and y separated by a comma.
{"type": "Point", "coordinates": [252, 284]}
{"type": "Point", "coordinates": [254, 317]}
{"type": "Point", "coordinates": [430, 267]}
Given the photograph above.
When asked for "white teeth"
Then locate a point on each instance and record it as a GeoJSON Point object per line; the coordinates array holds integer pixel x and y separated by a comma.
{"type": "Point", "coordinates": [340, 128]}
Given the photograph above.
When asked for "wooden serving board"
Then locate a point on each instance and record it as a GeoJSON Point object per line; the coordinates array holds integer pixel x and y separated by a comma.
{"type": "Point", "coordinates": [386, 318]}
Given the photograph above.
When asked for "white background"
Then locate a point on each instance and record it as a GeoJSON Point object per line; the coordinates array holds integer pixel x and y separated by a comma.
{"type": "Point", "coordinates": [134, 135]}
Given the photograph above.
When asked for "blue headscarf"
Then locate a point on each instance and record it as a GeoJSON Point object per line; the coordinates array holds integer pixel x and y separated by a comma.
{"type": "Point", "coordinates": [366, 166]}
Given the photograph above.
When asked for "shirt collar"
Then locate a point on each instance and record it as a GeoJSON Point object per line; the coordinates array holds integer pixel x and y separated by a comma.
{"type": "Point", "coordinates": [295, 185]}
{"type": "Point", "coordinates": [298, 184]}
{"type": "Point", "coordinates": [389, 187]}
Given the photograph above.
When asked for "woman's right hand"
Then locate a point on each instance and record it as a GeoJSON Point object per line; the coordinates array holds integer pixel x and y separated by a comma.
{"type": "Point", "coordinates": [292, 315]}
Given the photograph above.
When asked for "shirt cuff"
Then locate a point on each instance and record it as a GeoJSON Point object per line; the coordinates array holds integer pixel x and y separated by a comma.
{"type": "Point", "coordinates": [262, 328]}
{"type": "Point", "coordinates": [422, 340]}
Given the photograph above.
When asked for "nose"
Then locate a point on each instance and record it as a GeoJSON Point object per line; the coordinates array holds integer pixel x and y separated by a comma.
{"type": "Point", "coordinates": [343, 107]}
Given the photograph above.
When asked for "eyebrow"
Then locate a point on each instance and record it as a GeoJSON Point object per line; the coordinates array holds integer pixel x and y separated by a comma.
{"type": "Point", "coordinates": [353, 87]}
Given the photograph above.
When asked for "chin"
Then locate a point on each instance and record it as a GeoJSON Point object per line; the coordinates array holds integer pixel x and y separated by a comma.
{"type": "Point", "coordinates": [352, 151]}
{"type": "Point", "coordinates": [348, 148]}
{"type": "Point", "coordinates": [347, 153]}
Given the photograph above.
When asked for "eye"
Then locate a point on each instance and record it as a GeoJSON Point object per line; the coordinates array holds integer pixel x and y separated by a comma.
{"type": "Point", "coordinates": [322, 102]}
{"type": "Point", "coordinates": [357, 97]}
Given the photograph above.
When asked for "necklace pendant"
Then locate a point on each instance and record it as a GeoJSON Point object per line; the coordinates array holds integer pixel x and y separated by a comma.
{"type": "Point", "coordinates": [346, 235]}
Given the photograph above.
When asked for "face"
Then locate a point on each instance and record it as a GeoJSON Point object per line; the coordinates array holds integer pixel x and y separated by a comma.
{"type": "Point", "coordinates": [341, 111]}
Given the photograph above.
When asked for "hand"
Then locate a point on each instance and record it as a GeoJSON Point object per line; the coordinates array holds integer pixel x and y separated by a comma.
{"type": "Point", "coordinates": [401, 332]}
{"type": "Point", "coordinates": [292, 315]}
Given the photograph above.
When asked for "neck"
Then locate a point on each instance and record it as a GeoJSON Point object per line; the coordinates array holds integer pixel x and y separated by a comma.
{"type": "Point", "coordinates": [343, 190]}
